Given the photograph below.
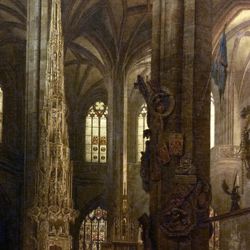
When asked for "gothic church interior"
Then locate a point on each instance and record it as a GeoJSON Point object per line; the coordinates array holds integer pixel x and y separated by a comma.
{"type": "Point", "coordinates": [124, 124]}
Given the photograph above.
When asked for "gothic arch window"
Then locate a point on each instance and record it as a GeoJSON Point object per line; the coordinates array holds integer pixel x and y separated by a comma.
{"type": "Point", "coordinates": [96, 133]}
{"type": "Point", "coordinates": [214, 240]}
{"type": "Point", "coordinates": [141, 126]}
{"type": "Point", "coordinates": [212, 121]}
{"type": "Point", "coordinates": [93, 230]}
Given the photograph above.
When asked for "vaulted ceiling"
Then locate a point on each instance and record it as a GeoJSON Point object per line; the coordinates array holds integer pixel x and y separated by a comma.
{"type": "Point", "coordinates": [12, 44]}
{"type": "Point", "coordinates": [102, 37]}
{"type": "Point", "coordinates": [12, 22]}
{"type": "Point", "coordinates": [238, 41]}
{"type": "Point", "coordinates": [106, 36]}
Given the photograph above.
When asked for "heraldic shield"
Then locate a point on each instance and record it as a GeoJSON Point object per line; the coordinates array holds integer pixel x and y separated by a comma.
{"type": "Point", "coordinates": [179, 218]}
{"type": "Point", "coordinates": [175, 144]}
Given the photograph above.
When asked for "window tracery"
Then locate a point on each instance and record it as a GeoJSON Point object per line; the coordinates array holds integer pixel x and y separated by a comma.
{"type": "Point", "coordinates": [141, 126]}
{"type": "Point", "coordinates": [96, 133]}
{"type": "Point", "coordinates": [93, 230]}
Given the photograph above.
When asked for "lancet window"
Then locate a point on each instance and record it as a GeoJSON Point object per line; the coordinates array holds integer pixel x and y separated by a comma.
{"type": "Point", "coordinates": [96, 133]}
{"type": "Point", "coordinates": [93, 230]}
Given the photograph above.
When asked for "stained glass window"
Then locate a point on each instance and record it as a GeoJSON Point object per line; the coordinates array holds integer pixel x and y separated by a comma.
{"type": "Point", "coordinates": [93, 230]}
{"type": "Point", "coordinates": [142, 125]}
{"type": "Point", "coordinates": [214, 240]}
{"type": "Point", "coordinates": [96, 133]}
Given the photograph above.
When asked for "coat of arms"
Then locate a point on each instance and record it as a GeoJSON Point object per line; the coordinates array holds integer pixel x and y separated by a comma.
{"type": "Point", "coordinates": [175, 144]}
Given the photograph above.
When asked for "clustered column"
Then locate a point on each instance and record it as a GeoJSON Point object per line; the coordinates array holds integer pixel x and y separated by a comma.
{"type": "Point", "coordinates": [37, 29]}
{"type": "Point", "coordinates": [178, 98]}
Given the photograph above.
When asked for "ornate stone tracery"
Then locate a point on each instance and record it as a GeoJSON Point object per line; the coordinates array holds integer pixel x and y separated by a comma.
{"type": "Point", "coordinates": [53, 209]}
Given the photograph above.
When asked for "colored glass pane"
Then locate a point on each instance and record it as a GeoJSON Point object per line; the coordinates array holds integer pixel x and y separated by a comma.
{"type": "Point", "coordinates": [96, 133]}
{"type": "Point", "coordinates": [93, 230]}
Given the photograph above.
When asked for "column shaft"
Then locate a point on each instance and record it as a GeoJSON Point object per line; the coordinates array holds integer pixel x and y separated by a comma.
{"type": "Point", "coordinates": [181, 52]}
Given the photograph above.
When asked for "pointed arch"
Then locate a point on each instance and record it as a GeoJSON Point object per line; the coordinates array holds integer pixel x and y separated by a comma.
{"type": "Point", "coordinates": [93, 230]}
{"type": "Point", "coordinates": [96, 133]}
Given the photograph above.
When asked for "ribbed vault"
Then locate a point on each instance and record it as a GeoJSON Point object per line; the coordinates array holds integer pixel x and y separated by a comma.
{"type": "Point", "coordinates": [238, 43]}
{"type": "Point", "coordinates": [101, 36]}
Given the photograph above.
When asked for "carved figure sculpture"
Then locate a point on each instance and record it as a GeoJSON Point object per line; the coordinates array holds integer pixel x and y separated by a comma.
{"type": "Point", "coordinates": [145, 167]}
{"type": "Point", "coordinates": [160, 104]}
{"type": "Point", "coordinates": [144, 221]}
{"type": "Point", "coordinates": [178, 218]}
{"type": "Point", "coordinates": [235, 196]}
{"type": "Point", "coordinates": [245, 140]}
{"type": "Point", "coordinates": [186, 208]}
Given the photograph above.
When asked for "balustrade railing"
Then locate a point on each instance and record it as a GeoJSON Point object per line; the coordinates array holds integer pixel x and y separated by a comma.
{"type": "Point", "coordinates": [221, 152]}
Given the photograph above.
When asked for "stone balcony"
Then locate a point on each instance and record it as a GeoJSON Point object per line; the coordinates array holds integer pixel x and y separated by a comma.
{"type": "Point", "coordinates": [225, 152]}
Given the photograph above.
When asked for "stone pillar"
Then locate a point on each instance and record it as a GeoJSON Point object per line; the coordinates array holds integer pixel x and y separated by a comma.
{"type": "Point", "coordinates": [36, 53]}
{"type": "Point", "coordinates": [114, 150]}
{"type": "Point", "coordinates": [52, 205]}
{"type": "Point", "coordinates": [115, 155]}
{"type": "Point", "coordinates": [179, 110]}
{"type": "Point", "coordinates": [119, 220]}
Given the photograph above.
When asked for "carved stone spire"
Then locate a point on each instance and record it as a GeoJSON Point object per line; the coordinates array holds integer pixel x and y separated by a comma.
{"type": "Point", "coordinates": [53, 210]}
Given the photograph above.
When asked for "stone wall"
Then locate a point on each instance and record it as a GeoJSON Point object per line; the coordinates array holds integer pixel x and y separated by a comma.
{"type": "Point", "coordinates": [234, 233]}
